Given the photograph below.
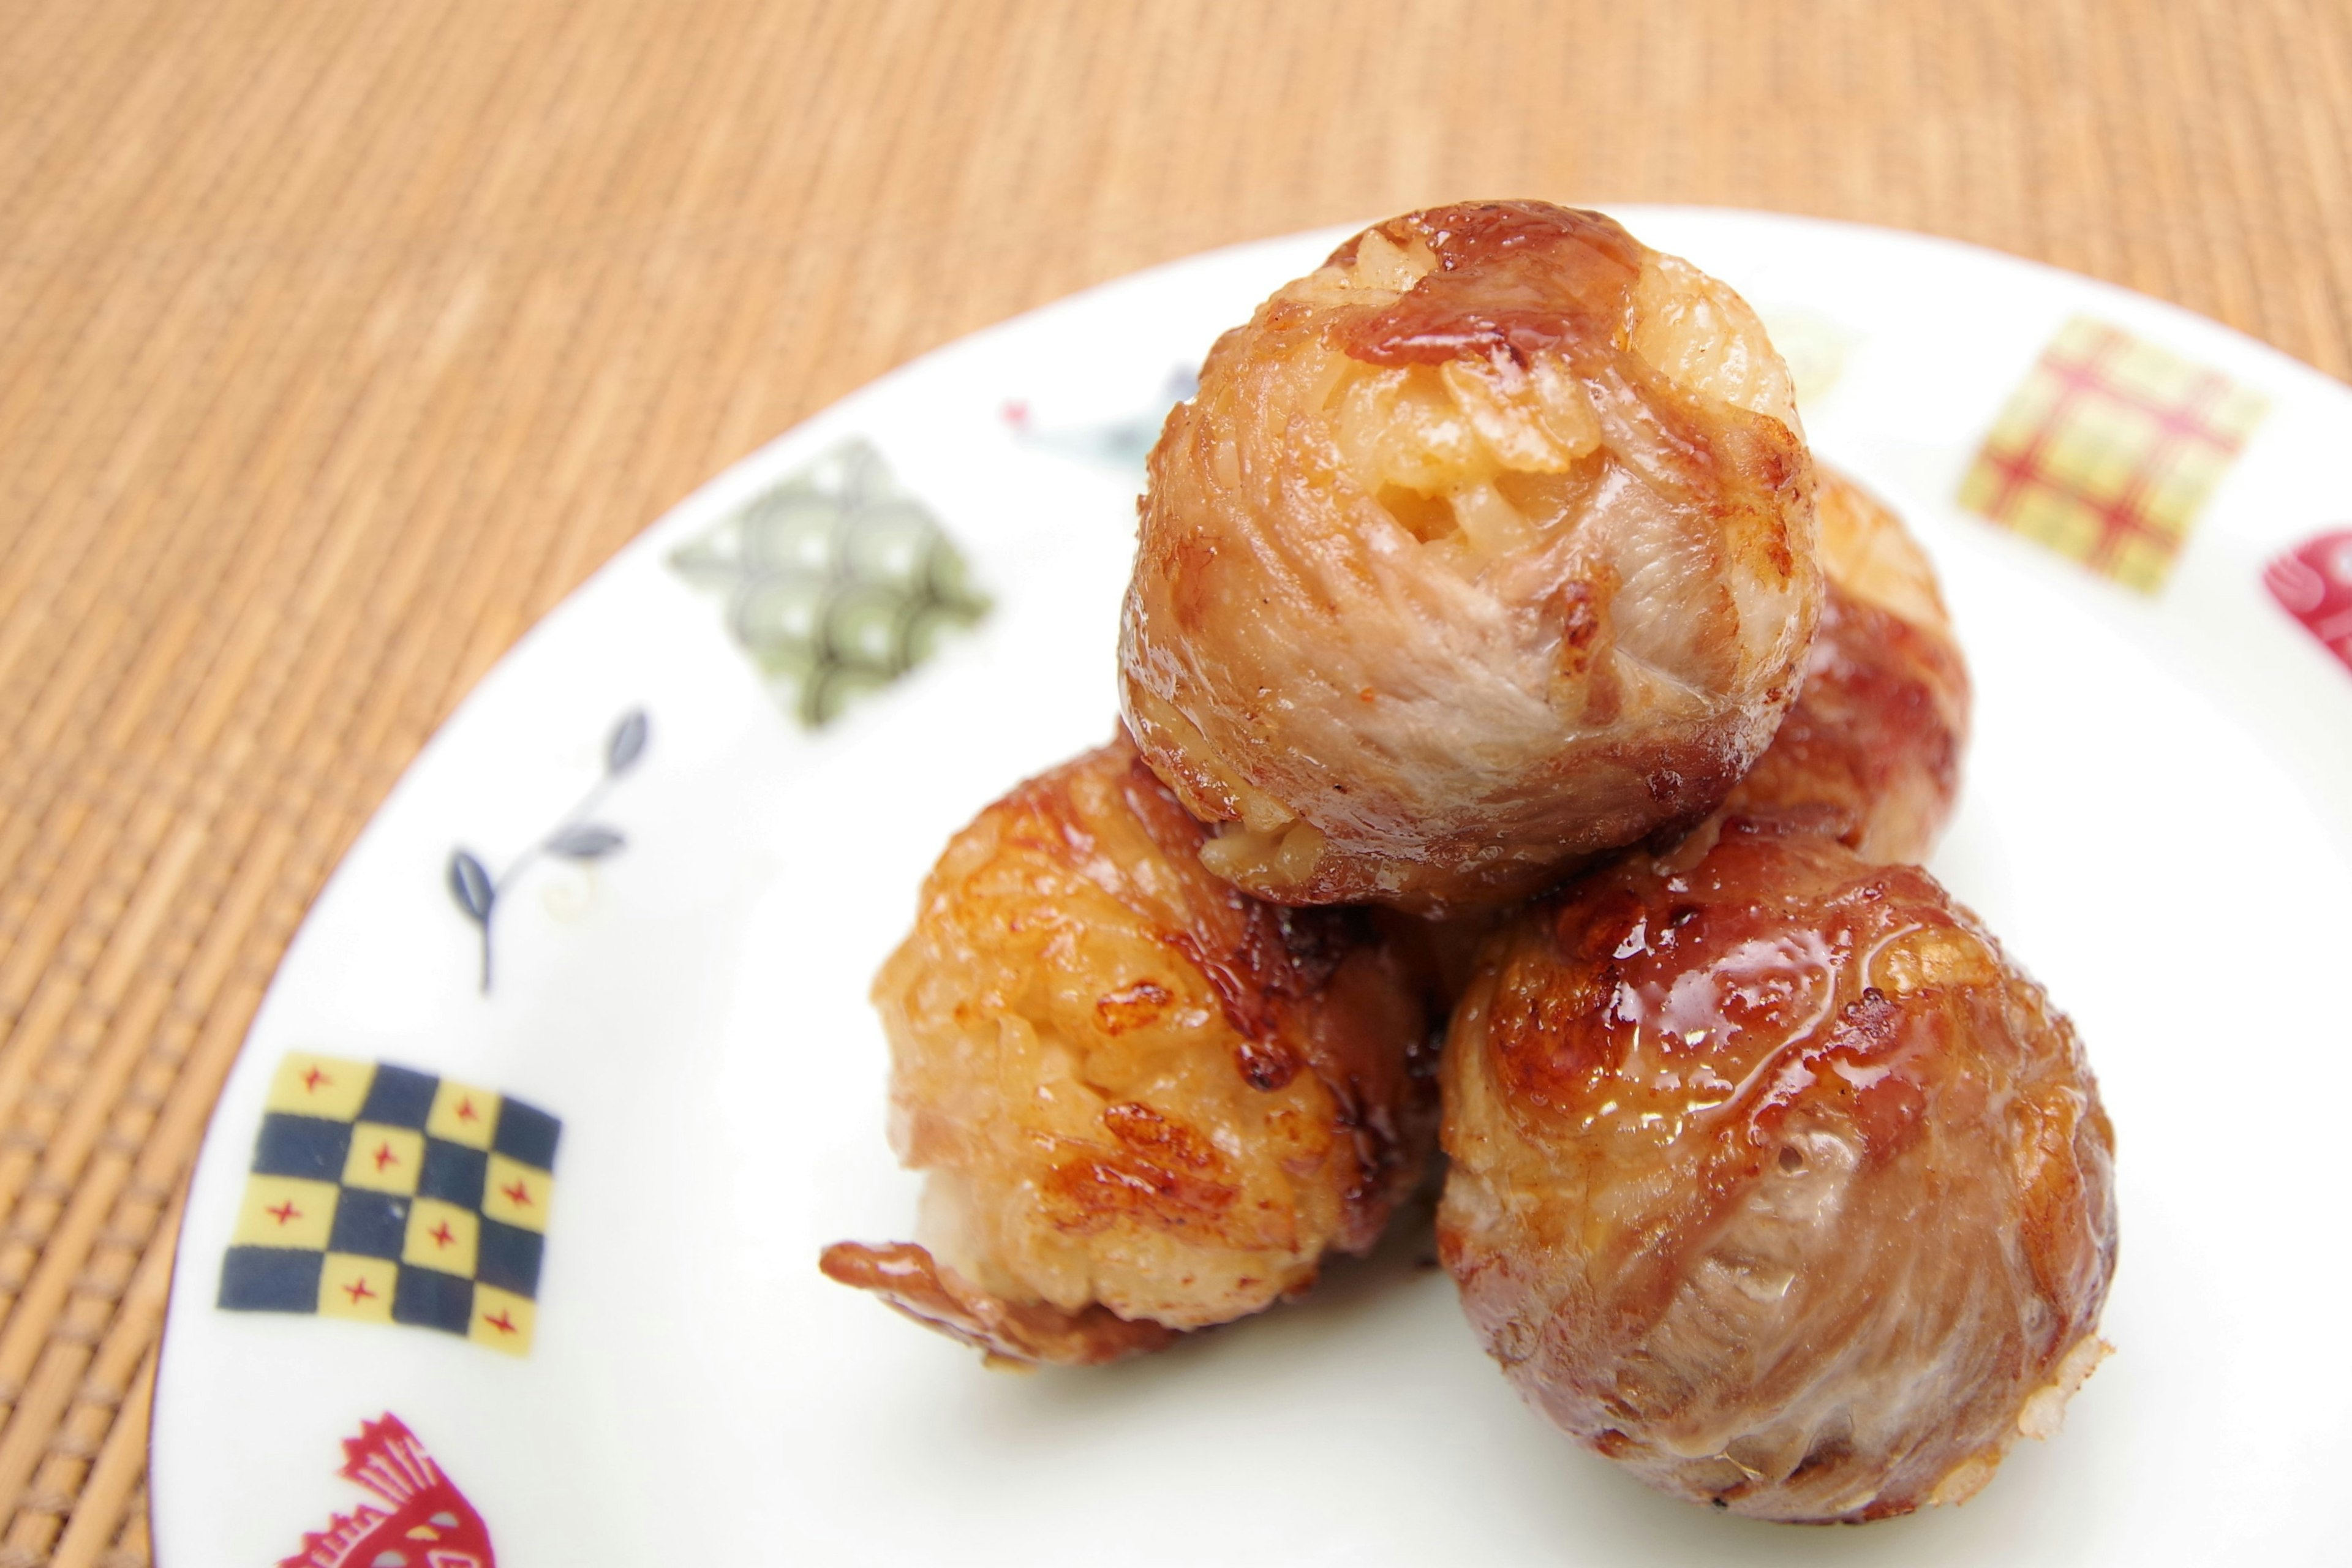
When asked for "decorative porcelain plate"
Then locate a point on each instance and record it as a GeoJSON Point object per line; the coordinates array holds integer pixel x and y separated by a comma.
{"type": "Point", "coordinates": [503, 1244]}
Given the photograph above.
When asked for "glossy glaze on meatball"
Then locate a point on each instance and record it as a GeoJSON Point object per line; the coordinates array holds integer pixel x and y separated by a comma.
{"type": "Point", "coordinates": [1773, 1180]}
{"type": "Point", "coordinates": [1871, 752]}
{"type": "Point", "coordinates": [1485, 547]}
{"type": "Point", "coordinates": [1146, 1103]}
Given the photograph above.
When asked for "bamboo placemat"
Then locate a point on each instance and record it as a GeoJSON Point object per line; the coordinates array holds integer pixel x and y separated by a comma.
{"type": "Point", "coordinates": [339, 341]}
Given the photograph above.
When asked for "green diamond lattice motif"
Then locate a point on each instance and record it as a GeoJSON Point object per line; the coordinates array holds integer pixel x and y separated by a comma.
{"type": "Point", "coordinates": [836, 581]}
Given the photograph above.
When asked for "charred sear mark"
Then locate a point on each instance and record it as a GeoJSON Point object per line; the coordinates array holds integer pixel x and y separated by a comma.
{"type": "Point", "coordinates": [1133, 1006]}
{"type": "Point", "coordinates": [1148, 1133]}
{"type": "Point", "coordinates": [1165, 1174]}
{"type": "Point", "coordinates": [1513, 279]}
{"type": "Point", "coordinates": [1266, 1064]}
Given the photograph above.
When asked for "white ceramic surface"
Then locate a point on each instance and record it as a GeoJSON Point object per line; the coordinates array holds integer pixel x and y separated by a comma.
{"type": "Point", "coordinates": [2157, 819]}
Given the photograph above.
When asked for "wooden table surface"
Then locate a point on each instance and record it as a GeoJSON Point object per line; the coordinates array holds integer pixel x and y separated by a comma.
{"type": "Point", "coordinates": [339, 341]}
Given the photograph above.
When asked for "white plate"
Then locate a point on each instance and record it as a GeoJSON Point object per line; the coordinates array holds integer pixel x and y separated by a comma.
{"type": "Point", "coordinates": [2157, 820]}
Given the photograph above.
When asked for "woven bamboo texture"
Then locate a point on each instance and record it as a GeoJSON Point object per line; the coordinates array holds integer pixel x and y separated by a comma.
{"type": "Point", "coordinates": [339, 341]}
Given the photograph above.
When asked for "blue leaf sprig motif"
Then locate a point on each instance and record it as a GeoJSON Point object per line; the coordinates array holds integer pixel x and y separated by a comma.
{"type": "Point", "coordinates": [577, 837]}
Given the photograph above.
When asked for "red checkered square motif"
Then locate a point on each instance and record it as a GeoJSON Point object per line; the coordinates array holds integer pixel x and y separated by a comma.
{"type": "Point", "coordinates": [2108, 450]}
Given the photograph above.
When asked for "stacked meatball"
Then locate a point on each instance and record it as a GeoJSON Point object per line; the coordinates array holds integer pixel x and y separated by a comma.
{"type": "Point", "coordinates": [1528, 749]}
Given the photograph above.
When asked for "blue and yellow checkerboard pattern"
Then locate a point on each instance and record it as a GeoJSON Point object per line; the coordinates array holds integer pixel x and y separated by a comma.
{"type": "Point", "coordinates": [387, 1196]}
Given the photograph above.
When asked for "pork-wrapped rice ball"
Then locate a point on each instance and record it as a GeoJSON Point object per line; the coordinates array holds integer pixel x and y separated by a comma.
{"type": "Point", "coordinates": [1146, 1103]}
{"type": "Point", "coordinates": [1773, 1180]}
{"type": "Point", "coordinates": [1486, 546]}
{"type": "Point", "coordinates": [1870, 751]}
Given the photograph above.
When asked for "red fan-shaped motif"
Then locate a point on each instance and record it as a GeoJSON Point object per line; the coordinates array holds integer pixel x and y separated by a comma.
{"type": "Point", "coordinates": [425, 1522]}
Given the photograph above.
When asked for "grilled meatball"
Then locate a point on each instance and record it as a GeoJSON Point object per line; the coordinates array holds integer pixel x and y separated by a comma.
{"type": "Point", "coordinates": [1486, 546]}
{"type": "Point", "coordinates": [1775, 1180]}
{"type": "Point", "coordinates": [1146, 1103]}
{"type": "Point", "coordinates": [1871, 752]}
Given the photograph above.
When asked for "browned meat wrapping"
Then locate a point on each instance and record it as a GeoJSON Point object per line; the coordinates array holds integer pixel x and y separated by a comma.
{"type": "Point", "coordinates": [1485, 547]}
{"type": "Point", "coordinates": [1775, 1180]}
{"type": "Point", "coordinates": [1871, 752]}
{"type": "Point", "coordinates": [1146, 1103]}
